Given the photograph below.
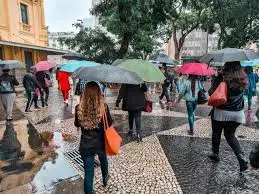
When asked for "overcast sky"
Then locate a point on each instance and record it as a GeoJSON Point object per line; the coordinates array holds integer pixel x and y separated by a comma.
{"type": "Point", "coordinates": [61, 14]}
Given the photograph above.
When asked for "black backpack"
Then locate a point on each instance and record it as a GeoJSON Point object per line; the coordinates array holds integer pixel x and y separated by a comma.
{"type": "Point", "coordinates": [5, 86]}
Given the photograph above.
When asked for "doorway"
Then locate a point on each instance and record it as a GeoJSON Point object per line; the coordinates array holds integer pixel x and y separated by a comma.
{"type": "Point", "coordinates": [28, 59]}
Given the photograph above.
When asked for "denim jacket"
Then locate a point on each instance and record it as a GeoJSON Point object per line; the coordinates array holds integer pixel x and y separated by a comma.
{"type": "Point", "coordinates": [186, 91]}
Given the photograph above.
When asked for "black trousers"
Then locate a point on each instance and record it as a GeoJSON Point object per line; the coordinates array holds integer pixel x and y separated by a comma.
{"type": "Point", "coordinates": [229, 133]}
{"type": "Point", "coordinates": [46, 91]}
{"type": "Point", "coordinates": [135, 116]}
{"type": "Point", "coordinates": [166, 94]}
{"type": "Point", "coordinates": [32, 97]}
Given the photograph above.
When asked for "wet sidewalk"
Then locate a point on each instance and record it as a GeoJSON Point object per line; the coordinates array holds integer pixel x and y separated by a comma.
{"type": "Point", "coordinates": [37, 157]}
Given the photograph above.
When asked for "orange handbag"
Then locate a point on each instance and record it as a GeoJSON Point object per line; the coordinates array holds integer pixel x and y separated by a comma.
{"type": "Point", "coordinates": [219, 96]}
{"type": "Point", "coordinates": [111, 137]}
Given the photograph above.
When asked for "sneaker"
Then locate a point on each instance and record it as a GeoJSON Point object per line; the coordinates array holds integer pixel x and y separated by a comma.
{"type": "Point", "coordinates": [213, 156]}
{"type": "Point", "coordinates": [139, 138]}
{"type": "Point", "coordinates": [36, 107]}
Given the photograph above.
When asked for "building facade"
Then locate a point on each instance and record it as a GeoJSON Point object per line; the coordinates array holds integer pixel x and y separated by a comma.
{"type": "Point", "coordinates": [23, 32]}
{"type": "Point", "coordinates": [54, 39]}
{"type": "Point", "coordinates": [197, 43]}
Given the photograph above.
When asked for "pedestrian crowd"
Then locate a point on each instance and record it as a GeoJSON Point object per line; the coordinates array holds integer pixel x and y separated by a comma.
{"type": "Point", "coordinates": [89, 113]}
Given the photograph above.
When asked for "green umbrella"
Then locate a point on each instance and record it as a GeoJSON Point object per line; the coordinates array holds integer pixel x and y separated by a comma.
{"type": "Point", "coordinates": [146, 70]}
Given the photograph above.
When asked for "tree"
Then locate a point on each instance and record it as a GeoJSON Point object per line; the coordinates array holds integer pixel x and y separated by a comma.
{"type": "Point", "coordinates": [181, 18]}
{"type": "Point", "coordinates": [133, 22]}
{"type": "Point", "coordinates": [94, 44]}
{"type": "Point", "coordinates": [238, 21]}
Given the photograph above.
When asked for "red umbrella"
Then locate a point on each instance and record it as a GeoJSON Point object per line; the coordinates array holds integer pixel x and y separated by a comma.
{"type": "Point", "coordinates": [196, 69]}
{"type": "Point", "coordinates": [44, 66]}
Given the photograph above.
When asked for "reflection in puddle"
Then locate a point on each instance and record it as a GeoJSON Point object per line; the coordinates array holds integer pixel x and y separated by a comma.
{"type": "Point", "coordinates": [27, 156]}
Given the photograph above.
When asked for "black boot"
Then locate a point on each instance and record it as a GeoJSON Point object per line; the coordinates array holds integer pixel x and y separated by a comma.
{"type": "Point", "coordinates": [130, 133]}
{"type": "Point", "coordinates": [105, 180]}
{"type": "Point", "coordinates": [242, 163]}
{"type": "Point", "coordinates": [214, 156]}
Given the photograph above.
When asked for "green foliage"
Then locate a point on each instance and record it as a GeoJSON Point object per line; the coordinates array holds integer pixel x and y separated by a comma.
{"type": "Point", "coordinates": [132, 21]}
{"type": "Point", "coordinates": [238, 21]}
{"type": "Point", "coordinates": [94, 44]}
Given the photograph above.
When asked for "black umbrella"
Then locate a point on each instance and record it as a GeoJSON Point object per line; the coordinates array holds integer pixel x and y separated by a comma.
{"type": "Point", "coordinates": [163, 58]}
{"type": "Point", "coordinates": [107, 73]}
{"type": "Point", "coordinates": [11, 64]}
{"type": "Point", "coordinates": [73, 56]}
{"type": "Point", "coordinates": [228, 55]}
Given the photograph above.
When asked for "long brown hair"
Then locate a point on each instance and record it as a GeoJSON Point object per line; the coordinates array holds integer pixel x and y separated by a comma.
{"type": "Point", "coordinates": [234, 76]}
{"type": "Point", "coordinates": [91, 106]}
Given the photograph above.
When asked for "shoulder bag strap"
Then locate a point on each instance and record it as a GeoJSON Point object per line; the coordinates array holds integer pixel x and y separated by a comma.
{"type": "Point", "coordinates": [105, 120]}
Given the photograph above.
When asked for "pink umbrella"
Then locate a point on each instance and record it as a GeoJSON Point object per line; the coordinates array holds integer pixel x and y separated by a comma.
{"type": "Point", "coordinates": [44, 66]}
{"type": "Point", "coordinates": [196, 69]}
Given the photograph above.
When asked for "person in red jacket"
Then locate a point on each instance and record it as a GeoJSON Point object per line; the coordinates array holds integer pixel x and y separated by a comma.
{"type": "Point", "coordinates": [64, 85]}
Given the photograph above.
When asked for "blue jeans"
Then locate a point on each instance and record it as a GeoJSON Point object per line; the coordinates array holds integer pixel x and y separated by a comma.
{"type": "Point", "coordinates": [88, 161]}
{"type": "Point", "coordinates": [191, 107]}
{"type": "Point", "coordinates": [249, 100]}
{"type": "Point", "coordinates": [177, 83]}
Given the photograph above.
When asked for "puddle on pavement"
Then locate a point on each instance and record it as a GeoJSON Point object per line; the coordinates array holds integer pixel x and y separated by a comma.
{"type": "Point", "coordinates": [29, 157]}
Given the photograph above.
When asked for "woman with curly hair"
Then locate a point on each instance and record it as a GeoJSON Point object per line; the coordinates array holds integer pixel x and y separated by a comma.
{"type": "Point", "coordinates": [88, 117]}
{"type": "Point", "coordinates": [231, 114]}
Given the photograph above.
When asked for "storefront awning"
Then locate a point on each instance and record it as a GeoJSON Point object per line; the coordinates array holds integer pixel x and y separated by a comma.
{"type": "Point", "coordinates": [48, 49]}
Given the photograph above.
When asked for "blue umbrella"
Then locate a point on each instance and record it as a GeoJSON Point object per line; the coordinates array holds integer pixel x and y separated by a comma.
{"type": "Point", "coordinates": [72, 67]}
{"type": "Point", "coordinates": [251, 63]}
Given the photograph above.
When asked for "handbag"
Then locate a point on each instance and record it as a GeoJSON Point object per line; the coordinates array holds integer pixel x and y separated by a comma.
{"type": "Point", "coordinates": [148, 106]}
{"type": "Point", "coordinates": [37, 92]}
{"type": "Point", "coordinates": [202, 97]}
{"type": "Point", "coordinates": [48, 82]}
{"type": "Point", "coordinates": [219, 96]}
{"type": "Point", "coordinates": [111, 137]}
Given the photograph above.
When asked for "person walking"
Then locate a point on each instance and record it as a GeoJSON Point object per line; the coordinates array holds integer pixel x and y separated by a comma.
{"type": "Point", "coordinates": [231, 114]}
{"type": "Point", "coordinates": [133, 97]}
{"type": "Point", "coordinates": [176, 79]}
{"type": "Point", "coordinates": [31, 86]}
{"type": "Point", "coordinates": [7, 93]}
{"type": "Point", "coordinates": [167, 85]}
{"type": "Point", "coordinates": [64, 85]}
{"type": "Point", "coordinates": [41, 76]}
{"type": "Point", "coordinates": [250, 91]}
{"type": "Point", "coordinates": [189, 92]}
{"type": "Point", "coordinates": [88, 117]}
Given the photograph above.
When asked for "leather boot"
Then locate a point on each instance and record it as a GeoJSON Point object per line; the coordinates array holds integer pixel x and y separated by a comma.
{"type": "Point", "coordinates": [242, 162]}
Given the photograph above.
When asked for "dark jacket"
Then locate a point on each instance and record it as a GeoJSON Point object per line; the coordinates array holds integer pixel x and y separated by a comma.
{"type": "Point", "coordinates": [235, 100]}
{"type": "Point", "coordinates": [92, 140]}
{"type": "Point", "coordinates": [7, 83]}
{"type": "Point", "coordinates": [40, 76]}
{"type": "Point", "coordinates": [168, 82]}
{"type": "Point", "coordinates": [30, 82]}
{"type": "Point", "coordinates": [133, 97]}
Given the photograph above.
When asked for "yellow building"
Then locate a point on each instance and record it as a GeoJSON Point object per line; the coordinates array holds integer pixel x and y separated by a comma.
{"type": "Point", "coordinates": [23, 32]}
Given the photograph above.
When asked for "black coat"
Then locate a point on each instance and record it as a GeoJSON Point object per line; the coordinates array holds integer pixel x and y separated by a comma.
{"type": "Point", "coordinates": [133, 97]}
{"type": "Point", "coordinates": [30, 82]}
{"type": "Point", "coordinates": [92, 140]}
